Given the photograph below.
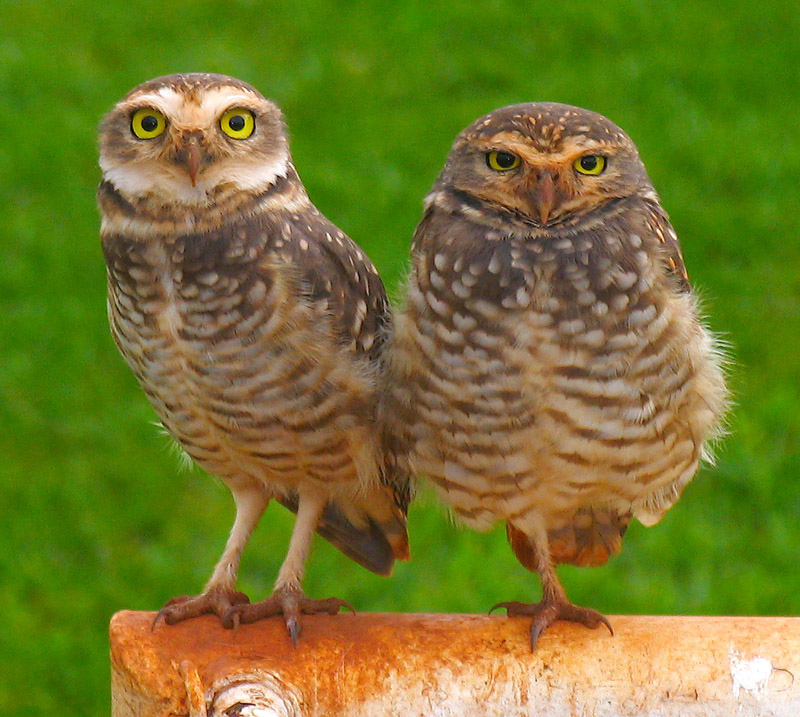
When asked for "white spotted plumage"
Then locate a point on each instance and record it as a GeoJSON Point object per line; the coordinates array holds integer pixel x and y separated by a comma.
{"type": "Point", "coordinates": [258, 346]}
{"type": "Point", "coordinates": [550, 365]}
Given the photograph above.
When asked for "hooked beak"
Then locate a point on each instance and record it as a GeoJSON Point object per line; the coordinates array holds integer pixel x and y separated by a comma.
{"type": "Point", "coordinates": [193, 162]}
{"type": "Point", "coordinates": [544, 196]}
{"type": "Point", "coordinates": [189, 155]}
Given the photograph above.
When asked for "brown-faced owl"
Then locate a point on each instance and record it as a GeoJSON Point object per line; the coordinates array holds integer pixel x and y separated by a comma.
{"type": "Point", "coordinates": [550, 368]}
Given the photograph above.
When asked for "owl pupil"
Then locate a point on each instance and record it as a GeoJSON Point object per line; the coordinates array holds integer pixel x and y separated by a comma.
{"type": "Point", "coordinates": [589, 163]}
{"type": "Point", "coordinates": [236, 123]}
{"type": "Point", "coordinates": [505, 160]}
{"type": "Point", "coordinates": [149, 123]}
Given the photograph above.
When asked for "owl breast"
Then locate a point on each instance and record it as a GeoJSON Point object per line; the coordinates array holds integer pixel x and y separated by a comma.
{"type": "Point", "coordinates": [239, 366]}
{"type": "Point", "coordinates": [554, 373]}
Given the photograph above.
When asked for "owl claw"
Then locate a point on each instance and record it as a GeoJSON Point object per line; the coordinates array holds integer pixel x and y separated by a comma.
{"type": "Point", "coordinates": [506, 606]}
{"type": "Point", "coordinates": [215, 602]}
{"type": "Point", "coordinates": [289, 602]}
{"type": "Point", "coordinates": [545, 613]}
{"type": "Point", "coordinates": [293, 626]}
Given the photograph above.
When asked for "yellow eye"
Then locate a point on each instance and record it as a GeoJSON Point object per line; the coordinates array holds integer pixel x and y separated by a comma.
{"type": "Point", "coordinates": [148, 123]}
{"type": "Point", "coordinates": [502, 161]}
{"type": "Point", "coordinates": [238, 123]}
{"type": "Point", "coordinates": [590, 164]}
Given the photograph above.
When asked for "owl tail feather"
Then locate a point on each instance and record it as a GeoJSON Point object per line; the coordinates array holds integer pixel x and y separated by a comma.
{"type": "Point", "coordinates": [588, 540]}
{"type": "Point", "coordinates": [374, 545]}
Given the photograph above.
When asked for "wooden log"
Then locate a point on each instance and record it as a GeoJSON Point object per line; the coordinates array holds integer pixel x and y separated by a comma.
{"type": "Point", "coordinates": [401, 664]}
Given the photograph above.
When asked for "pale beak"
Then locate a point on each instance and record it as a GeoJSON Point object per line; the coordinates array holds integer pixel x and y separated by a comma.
{"type": "Point", "coordinates": [544, 196]}
{"type": "Point", "coordinates": [189, 154]}
{"type": "Point", "coordinates": [193, 161]}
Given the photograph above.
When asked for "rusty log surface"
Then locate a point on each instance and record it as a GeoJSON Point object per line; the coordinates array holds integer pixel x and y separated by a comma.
{"type": "Point", "coordinates": [402, 664]}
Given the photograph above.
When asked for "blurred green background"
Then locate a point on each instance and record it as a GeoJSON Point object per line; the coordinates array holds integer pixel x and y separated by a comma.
{"type": "Point", "coordinates": [97, 515]}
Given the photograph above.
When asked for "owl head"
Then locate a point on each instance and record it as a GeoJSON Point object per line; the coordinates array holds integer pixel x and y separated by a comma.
{"type": "Point", "coordinates": [545, 163]}
{"type": "Point", "coordinates": [179, 139]}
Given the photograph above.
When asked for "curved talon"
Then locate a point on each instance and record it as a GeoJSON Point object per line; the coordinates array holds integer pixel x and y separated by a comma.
{"type": "Point", "coordinates": [335, 604]}
{"type": "Point", "coordinates": [293, 626]}
{"type": "Point", "coordinates": [214, 602]}
{"type": "Point", "coordinates": [596, 622]}
{"type": "Point", "coordinates": [536, 630]}
{"type": "Point", "coordinates": [167, 612]}
{"type": "Point", "coordinates": [160, 614]}
{"type": "Point", "coordinates": [290, 604]}
{"type": "Point", "coordinates": [236, 617]}
{"type": "Point", "coordinates": [605, 621]}
{"type": "Point", "coordinates": [506, 606]}
{"type": "Point", "coordinates": [545, 613]}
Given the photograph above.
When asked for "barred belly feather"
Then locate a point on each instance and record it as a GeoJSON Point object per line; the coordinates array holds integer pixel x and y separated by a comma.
{"type": "Point", "coordinates": [572, 387]}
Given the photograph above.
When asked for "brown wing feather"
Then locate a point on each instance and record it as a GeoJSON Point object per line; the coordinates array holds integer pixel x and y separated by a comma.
{"type": "Point", "coordinates": [588, 540]}
{"type": "Point", "coordinates": [658, 221]}
{"type": "Point", "coordinates": [374, 546]}
{"type": "Point", "coordinates": [336, 272]}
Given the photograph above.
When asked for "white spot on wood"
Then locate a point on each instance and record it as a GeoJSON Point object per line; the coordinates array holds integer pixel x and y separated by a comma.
{"type": "Point", "coordinates": [749, 675]}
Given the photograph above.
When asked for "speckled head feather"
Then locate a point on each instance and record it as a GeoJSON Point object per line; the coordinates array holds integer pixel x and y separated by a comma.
{"type": "Point", "coordinates": [544, 188]}
{"type": "Point", "coordinates": [192, 82]}
{"type": "Point", "coordinates": [547, 124]}
{"type": "Point", "coordinates": [192, 163]}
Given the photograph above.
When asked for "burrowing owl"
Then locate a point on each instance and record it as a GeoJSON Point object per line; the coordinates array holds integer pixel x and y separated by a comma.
{"type": "Point", "coordinates": [551, 370]}
{"type": "Point", "coordinates": [256, 328]}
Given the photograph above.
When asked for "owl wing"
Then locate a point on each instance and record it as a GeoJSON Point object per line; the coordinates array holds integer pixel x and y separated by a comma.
{"type": "Point", "coordinates": [658, 221]}
{"type": "Point", "coordinates": [335, 272]}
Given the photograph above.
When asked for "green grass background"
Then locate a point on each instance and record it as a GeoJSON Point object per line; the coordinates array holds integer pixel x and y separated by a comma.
{"type": "Point", "coordinates": [96, 514]}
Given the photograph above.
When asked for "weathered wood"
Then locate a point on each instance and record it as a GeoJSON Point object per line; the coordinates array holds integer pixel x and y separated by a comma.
{"type": "Point", "coordinates": [396, 664]}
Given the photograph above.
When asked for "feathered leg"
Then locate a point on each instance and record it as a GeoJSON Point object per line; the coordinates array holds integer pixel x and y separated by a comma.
{"type": "Point", "coordinates": [220, 594]}
{"type": "Point", "coordinates": [534, 553]}
{"type": "Point", "coordinates": [288, 598]}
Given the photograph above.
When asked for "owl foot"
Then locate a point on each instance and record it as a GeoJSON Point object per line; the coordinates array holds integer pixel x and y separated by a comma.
{"type": "Point", "coordinates": [215, 601]}
{"type": "Point", "coordinates": [289, 602]}
{"type": "Point", "coordinates": [545, 613]}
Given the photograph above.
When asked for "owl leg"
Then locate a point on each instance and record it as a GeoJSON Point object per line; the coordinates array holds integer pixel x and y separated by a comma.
{"type": "Point", "coordinates": [220, 594]}
{"type": "Point", "coordinates": [534, 554]}
{"type": "Point", "coordinates": [288, 598]}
